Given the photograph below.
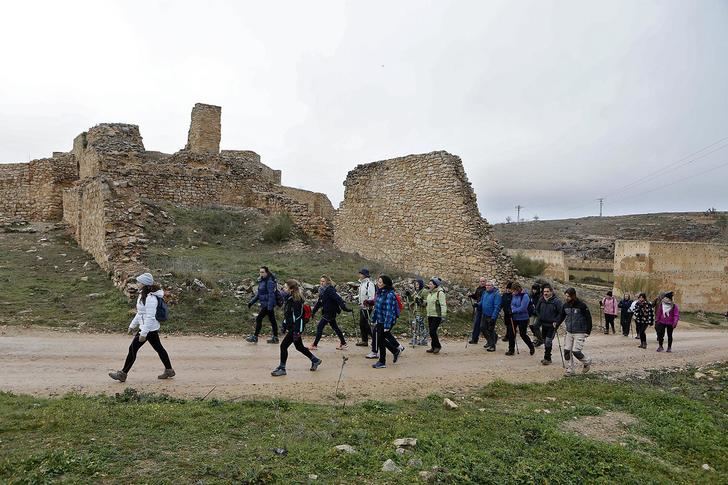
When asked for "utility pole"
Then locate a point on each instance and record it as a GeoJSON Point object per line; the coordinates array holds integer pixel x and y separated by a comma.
{"type": "Point", "coordinates": [601, 204]}
{"type": "Point", "coordinates": [518, 213]}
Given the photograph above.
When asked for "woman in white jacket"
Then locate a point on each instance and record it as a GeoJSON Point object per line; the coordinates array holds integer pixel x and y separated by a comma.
{"type": "Point", "coordinates": [146, 320]}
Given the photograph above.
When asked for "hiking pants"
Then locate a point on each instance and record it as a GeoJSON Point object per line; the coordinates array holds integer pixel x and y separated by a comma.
{"type": "Point", "coordinates": [364, 328]}
{"type": "Point", "coordinates": [574, 344]}
{"type": "Point", "coordinates": [298, 343]}
{"type": "Point", "coordinates": [477, 319]}
{"type": "Point", "coordinates": [320, 330]}
{"type": "Point", "coordinates": [522, 326]}
{"type": "Point", "coordinates": [549, 333]}
{"type": "Point", "coordinates": [434, 324]}
{"type": "Point", "coordinates": [536, 329]}
{"type": "Point", "coordinates": [489, 331]}
{"type": "Point", "coordinates": [271, 316]}
{"type": "Point", "coordinates": [153, 338]}
{"type": "Point", "coordinates": [660, 329]}
{"type": "Point", "coordinates": [386, 342]}
{"type": "Point", "coordinates": [626, 323]}
{"type": "Point", "coordinates": [608, 321]}
{"type": "Point", "coordinates": [641, 333]}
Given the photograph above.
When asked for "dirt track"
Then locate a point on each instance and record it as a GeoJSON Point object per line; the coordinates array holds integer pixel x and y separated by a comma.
{"type": "Point", "coordinates": [47, 362]}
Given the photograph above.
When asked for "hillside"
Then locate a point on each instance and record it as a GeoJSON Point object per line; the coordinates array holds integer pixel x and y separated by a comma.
{"type": "Point", "coordinates": [593, 237]}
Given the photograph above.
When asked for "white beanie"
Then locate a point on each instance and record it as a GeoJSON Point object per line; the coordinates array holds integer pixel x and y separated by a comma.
{"type": "Point", "coordinates": [146, 279]}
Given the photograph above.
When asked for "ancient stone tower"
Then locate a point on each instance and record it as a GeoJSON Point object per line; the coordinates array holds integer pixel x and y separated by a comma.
{"type": "Point", "coordinates": [204, 134]}
{"type": "Point", "coordinates": [419, 213]}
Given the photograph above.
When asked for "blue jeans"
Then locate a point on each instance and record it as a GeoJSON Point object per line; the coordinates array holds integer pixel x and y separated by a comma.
{"type": "Point", "coordinates": [476, 324]}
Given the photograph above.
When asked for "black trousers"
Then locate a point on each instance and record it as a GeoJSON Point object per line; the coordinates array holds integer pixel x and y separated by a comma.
{"type": "Point", "coordinates": [153, 338]}
{"type": "Point", "coordinates": [386, 342]}
{"type": "Point", "coordinates": [660, 329]}
{"type": "Point", "coordinates": [488, 329]}
{"type": "Point", "coordinates": [548, 332]}
{"type": "Point", "coordinates": [522, 326]}
{"type": "Point", "coordinates": [434, 324]}
{"type": "Point", "coordinates": [364, 328]}
{"type": "Point", "coordinates": [626, 322]}
{"type": "Point", "coordinates": [641, 332]}
{"type": "Point", "coordinates": [608, 321]}
{"type": "Point", "coordinates": [271, 316]}
{"type": "Point", "coordinates": [298, 343]}
{"type": "Point", "coordinates": [320, 330]}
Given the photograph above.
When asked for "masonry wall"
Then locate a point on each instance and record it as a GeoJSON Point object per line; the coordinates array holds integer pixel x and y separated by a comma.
{"type": "Point", "coordinates": [317, 203]}
{"type": "Point", "coordinates": [204, 133]}
{"type": "Point", "coordinates": [419, 213]}
{"type": "Point", "coordinates": [696, 272]}
{"type": "Point", "coordinates": [556, 267]}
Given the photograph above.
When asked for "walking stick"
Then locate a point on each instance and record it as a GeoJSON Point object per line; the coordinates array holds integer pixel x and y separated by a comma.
{"type": "Point", "coordinates": [353, 321]}
{"type": "Point", "coordinates": [513, 324]}
{"type": "Point", "coordinates": [413, 324]}
{"type": "Point", "coordinates": [561, 352]}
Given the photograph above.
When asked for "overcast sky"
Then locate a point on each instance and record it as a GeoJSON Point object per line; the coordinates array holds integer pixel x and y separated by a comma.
{"type": "Point", "coordinates": [549, 104]}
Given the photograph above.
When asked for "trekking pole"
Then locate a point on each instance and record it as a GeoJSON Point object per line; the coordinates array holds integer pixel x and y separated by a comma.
{"type": "Point", "coordinates": [561, 352]}
{"type": "Point", "coordinates": [413, 324]}
{"type": "Point", "coordinates": [513, 324]}
{"type": "Point", "coordinates": [353, 321]}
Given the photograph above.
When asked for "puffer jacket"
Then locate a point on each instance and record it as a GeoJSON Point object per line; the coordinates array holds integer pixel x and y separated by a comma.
{"type": "Point", "coordinates": [330, 302]}
{"type": "Point", "coordinates": [433, 297]}
{"type": "Point", "coordinates": [293, 315]}
{"type": "Point", "coordinates": [266, 293]}
{"type": "Point", "coordinates": [490, 303]}
{"type": "Point", "coordinates": [577, 317]}
{"type": "Point", "coordinates": [146, 315]}
{"type": "Point", "coordinates": [519, 306]}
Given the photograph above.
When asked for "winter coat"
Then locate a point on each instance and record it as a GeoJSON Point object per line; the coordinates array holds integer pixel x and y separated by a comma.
{"type": "Point", "coordinates": [331, 303]}
{"type": "Point", "coordinates": [625, 306]}
{"type": "Point", "coordinates": [548, 311]}
{"type": "Point", "coordinates": [506, 299]}
{"type": "Point", "coordinates": [434, 296]}
{"type": "Point", "coordinates": [644, 314]}
{"type": "Point", "coordinates": [266, 293]}
{"type": "Point", "coordinates": [293, 315]}
{"type": "Point", "coordinates": [610, 305]}
{"type": "Point", "coordinates": [146, 315]}
{"type": "Point", "coordinates": [385, 308]}
{"type": "Point", "coordinates": [519, 306]}
{"type": "Point", "coordinates": [667, 319]}
{"type": "Point", "coordinates": [490, 303]}
{"type": "Point", "coordinates": [367, 290]}
{"type": "Point", "coordinates": [577, 317]}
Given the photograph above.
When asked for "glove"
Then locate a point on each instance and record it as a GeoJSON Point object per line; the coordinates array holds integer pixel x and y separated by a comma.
{"type": "Point", "coordinates": [142, 338]}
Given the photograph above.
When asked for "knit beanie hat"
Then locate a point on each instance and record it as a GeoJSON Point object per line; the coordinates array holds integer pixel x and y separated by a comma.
{"type": "Point", "coordinates": [419, 283]}
{"type": "Point", "coordinates": [669, 295]}
{"type": "Point", "coordinates": [364, 272]}
{"type": "Point", "coordinates": [436, 281]}
{"type": "Point", "coordinates": [146, 279]}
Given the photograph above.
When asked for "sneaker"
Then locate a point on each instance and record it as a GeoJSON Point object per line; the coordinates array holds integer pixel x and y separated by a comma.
{"type": "Point", "coordinates": [361, 343]}
{"type": "Point", "coordinates": [342, 347]}
{"type": "Point", "coordinates": [545, 361]}
{"type": "Point", "coordinates": [312, 347]}
{"type": "Point", "coordinates": [167, 374]}
{"type": "Point", "coordinates": [587, 366]}
{"type": "Point", "coordinates": [669, 350]}
{"type": "Point", "coordinates": [660, 349]}
{"type": "Point", "coordinates": [436, 350]}
{"type": "Point", "coordinates": [280, 371]}
{"type": "Point", "coordinates": [510, 352]}
{"type": "Point", "coordinates": [315, 364]}
{"type": "Point", "coordinates": [272, 340]}
{"type": "Point", "coordinates": [379, 365]}
{"type": "Point", "coordinates": [396, 357]}
{"type": "Point", "coordinates": [472, 342]}
{"type": "Point", "coordinates": [118, 375]}
{"type": "Point", "coordinates": [253, 339]}
{"type": "Point", "coordinates": [569, 372]}
{"type": "Point", "coordinates": [490, 349]}
{"type": "Point", "coordinates": [372, 355]}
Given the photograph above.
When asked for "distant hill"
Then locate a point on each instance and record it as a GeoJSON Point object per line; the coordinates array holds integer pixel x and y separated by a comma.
{"type": "Point", "coordinates": [593, 237]}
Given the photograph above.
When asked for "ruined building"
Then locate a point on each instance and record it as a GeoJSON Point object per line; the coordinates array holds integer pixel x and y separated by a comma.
{"type": "Point", "coordinates": [419, 213]}
{"type": "Point", "coordinates": [101, 186]}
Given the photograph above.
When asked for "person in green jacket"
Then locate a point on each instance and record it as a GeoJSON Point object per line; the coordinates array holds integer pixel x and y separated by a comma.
{"type": "Point", "coordinates": [436, 312]}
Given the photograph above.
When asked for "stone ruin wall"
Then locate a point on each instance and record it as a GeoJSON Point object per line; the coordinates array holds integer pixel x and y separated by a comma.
{"type": "Point", "coordinates": [556, 266]}
{"type": "Point", "coordinates": [696, 272]}
{"type": "Point", "coordinates": [205, 127]}
{"type": "Point", "coordinates": [419, 213]}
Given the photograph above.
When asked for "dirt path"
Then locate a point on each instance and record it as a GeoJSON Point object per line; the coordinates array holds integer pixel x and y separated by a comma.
{"type": "Point", "coordinates": [48, 362]}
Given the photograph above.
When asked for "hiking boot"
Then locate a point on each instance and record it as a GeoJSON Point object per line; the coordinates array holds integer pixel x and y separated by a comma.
{"type": "Point", "coordinates": [545, 361]}
{"type": "Point", "coordinates": [472, 342]}
{"type": "Point", "coordinates": [272, 340]}
{"type": "Point", "coordinates": [253, 339]}
{"type": "Point", "coordinates": [315, 364]}
{"type": "Point", "coordinates": [490, 349]}
{"type": "Point", "coordinates": [642, 346]}
{"type": "Point", "coordinates": [167, 374]}
{"type": "Point", "coordinates": [660, 349]}
{"type": "Point", "coordinates": [372, 355]}
{"type": "Point", "coordinates": [342, 347]}
{"type": "Point", "coordinates": [396, 357]}
{"type": "Point", "coordinates": [587, 366]}
{"type": "Point", "coordinates": [280, 371]}
{"type": "Point", "coordinates": [510, 352]}
{"type": "Point", "coordinates": [532, 350]}
{"type": "Point", "coordinates": [361, 343]}
{"type": "Point", "coordinates": [569, 372]}
{"type": "Point", "coordinates": [379, 365]}
{"type": "Point", "coordinates": [538, 343]}
{"type": "Point", "coordinates": [118, 375]}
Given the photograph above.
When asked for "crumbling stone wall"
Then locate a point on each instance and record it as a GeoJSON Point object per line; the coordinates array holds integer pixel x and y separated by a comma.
{"type": "Point", "coordinates": [251, 161]}
{"type": "Point", "coordinates": [556, 266]}
{"type": "Point", "coordinates": [420, 214]}
{"type": "Point", "coordinates": [317, 203]}
{"type": "Point", "coordinates": [204, 134]}
{"type": "Point", "coordinates": [696, 272]}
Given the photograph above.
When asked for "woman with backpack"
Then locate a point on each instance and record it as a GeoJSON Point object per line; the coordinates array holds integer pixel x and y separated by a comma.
{"type": "Point", "coordinates": [331, 304]}
{"type": "Point", "coordinates": [667, 315]}
{"type": "Point", "coordinates": [293, 325]}
{"type": "Point", "coordinates": [436, 312]}
{"type": "Point", "coordinates": [266, 296]}
{"type": "Point", "coordinates": [151, 297]}
{"type": "Point", "coordinates": [386, 311]}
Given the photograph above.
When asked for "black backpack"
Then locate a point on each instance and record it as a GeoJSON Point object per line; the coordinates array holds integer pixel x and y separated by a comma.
{"type": "Point", "coordinates": [162, 313]}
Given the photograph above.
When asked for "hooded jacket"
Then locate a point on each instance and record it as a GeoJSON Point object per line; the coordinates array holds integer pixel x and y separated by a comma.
{"type": "Point", "coordinates": [577, 317]}
{"type": "Point", "coordinates": [490, 303]}
{"type": "Point", "coordinates": [667, 319]}
{"type": "Point", "coordinates": [293, 315]}
{"type": "Point", "coordinates": [146, 315]}
{"type": "Point", "coordinates": [519, 305]}
{"type": "Point", "coordinates": [367, 290]}
{"type": "Point", "coordinates": [548, 311]}
{"type": "Point", "coordinates": [330, 302]}
{"type": "Point", "coordinates": [266, 293]}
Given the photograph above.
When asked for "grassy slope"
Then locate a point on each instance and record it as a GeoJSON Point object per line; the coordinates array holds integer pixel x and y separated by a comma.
{"type": "Point", "coordinates": [681, 425]}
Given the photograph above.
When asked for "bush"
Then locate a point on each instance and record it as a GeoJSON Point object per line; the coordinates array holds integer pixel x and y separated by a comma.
{"type": "Point", "coordinates": [278, 229]}
{"type": "Point", "coordinates": [528, 267]}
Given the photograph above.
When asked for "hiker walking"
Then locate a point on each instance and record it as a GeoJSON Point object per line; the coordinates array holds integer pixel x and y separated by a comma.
{"type": "Point", "coordinates": [575, 314]}
{"type": "Point", "coordinates": [367, 291]}
{"type": "Point", "coordinates": [477, 310]}
{"type": "Point", "coordinates": [519, 309]}
{"type": "Point", "coordinates": [293, 325]}
{"type": "Point", "coordinates": [331, 304]}
{"type": "Point", "coordinates": [548, 310]}
{"type": "Point", "coordinates": [266, 297]}
{"type": "Point", "coordinates": [535, 326]}
{"type": "Point", "coordinates": [667, 315]}
{"type": "Point", "coordinates": [417, 301]}
{"type": "Point", "coordinates": [151, 297]}
{"type": "Point", "coordinates": [644, 316]}
{"type": "Point", "coordinates": [625, 314]}
{"type": "Point", "coordinates": [436, 312]}
{"type": "Point", "coordinates": [609, 307]}
{"type": "Point", "coordinates": [490, 306]}
{"type": "Point", "coordinates": [506, 298]}
{"type": "Point", "coordinates": [386, 311]}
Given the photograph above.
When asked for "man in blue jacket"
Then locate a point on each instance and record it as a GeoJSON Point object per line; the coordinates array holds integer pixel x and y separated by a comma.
{"type": "Point", "coordinates": [490, 305]}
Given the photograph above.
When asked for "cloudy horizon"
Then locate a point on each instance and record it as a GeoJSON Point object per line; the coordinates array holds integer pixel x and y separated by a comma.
{"type": "Point", "coordinates": [550, 105]}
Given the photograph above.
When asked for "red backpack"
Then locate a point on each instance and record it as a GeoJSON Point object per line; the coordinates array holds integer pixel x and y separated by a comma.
{"type": "Point", "coordinates": [306, 312]}
{"type": "Point", "coordinates": [400, 303]}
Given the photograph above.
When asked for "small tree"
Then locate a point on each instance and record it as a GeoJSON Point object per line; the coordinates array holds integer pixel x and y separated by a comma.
{"type": "Point", "coordinates": [536, 218]}
{"type": "Point", "coordinates": [509, 220]}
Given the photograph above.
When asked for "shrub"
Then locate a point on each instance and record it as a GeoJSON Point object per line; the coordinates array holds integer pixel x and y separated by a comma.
{"type": "Point", "coordinates": [528, 267]}
{"type": "Point", "coordinates": [278, 229]}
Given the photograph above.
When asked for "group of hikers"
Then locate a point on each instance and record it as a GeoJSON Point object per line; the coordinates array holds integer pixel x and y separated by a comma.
{"type": "Point", "coordinates": [379, 307]}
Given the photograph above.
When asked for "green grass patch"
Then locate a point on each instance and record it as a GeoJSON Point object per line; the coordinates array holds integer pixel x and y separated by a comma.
{"type": "Point", "coordinates": [500, 434]}
{"type": "Point", "coordinates": [528, 267]}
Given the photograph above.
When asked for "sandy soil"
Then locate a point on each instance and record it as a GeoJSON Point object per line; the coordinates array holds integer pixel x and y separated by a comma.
{"type": "Point", "coordinates": [50, 362]}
